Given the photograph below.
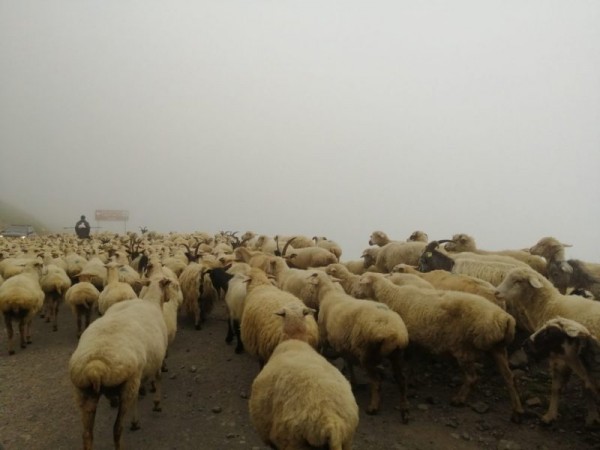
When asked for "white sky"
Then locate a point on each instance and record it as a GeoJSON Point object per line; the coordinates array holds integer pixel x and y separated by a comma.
{"type": "Point", "coordinates": [334, 118]}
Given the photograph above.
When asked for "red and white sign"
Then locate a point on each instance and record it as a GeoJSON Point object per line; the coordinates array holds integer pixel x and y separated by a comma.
{"type": "Point", "coordinates": [103, 215]}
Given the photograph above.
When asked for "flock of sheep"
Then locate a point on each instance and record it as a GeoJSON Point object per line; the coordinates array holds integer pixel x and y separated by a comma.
{"type": "Point", "coordinates": [294, 304]}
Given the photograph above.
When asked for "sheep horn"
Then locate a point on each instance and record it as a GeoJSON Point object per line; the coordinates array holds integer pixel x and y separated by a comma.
{"type": "Point", "coordinates": [286, 246]}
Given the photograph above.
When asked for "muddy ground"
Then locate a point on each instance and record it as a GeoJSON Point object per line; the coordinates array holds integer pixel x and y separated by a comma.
{"type": "Point", "coordinates": [206, 394]}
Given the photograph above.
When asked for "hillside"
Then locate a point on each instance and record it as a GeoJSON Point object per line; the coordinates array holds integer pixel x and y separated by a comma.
{"type": "Point", "coordinates": [10, 214]}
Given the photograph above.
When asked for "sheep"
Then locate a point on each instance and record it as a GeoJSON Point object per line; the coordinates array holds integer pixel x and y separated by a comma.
{"type": "Point", "coordinates": [21, 297]}
{"type": "Point", "coordinates": [405, 279]}
{"type": "Point", "coordinates": [533, 300]}
{"type": "Point", "coordinates": [82, 297]}
{"type": "Point", "coordinates": [54, 282]}
{"type": "Point", "coordinates": [461, 324]}
{"type": "Point", "coordinates": [418, 236]}
{"type": "Point", "coordinates": [115, 354]}
{"type": "Point", "coordinates": [235, 300]}
{"type": "Point", "coordinates": [356, 266]}
{"type": "Point", "coordinates": [490, 271]}
{"type": "Point", "coordinates": [441, 279]}
{"type": "Point", "coordinates": [348, 280]}
{"type": "Point", "coordinates": [379, 238]}
{"type": "Point", "coordinates": [553, 251]}
{"type": "Point", "coordinates": [299, 399]}
{"type": "Point", "coordinates": [465, 243]}
{"type": "Point", "coordinates": [333, 247]}
{"type": "Point", "coordinates": [549, 248]}
{"type": "Point", "coordinates": [570, 347]}
{"type": "Point", "coordinates": [96, 269]}
{"type": "Point", "coordinates": [260, 331]}
{"type": "Point", "coordinates": [115, 290]}
{"type": "Point", "coordinates": [199, 295]}
{"type": "Point", "coordinates": [304, 258]}
{"type": "Point", "coordinates": [574, 274]}
{"type": "Point", "coordinates": [398, 252]}
{"type": "Point", "coordinates": [366, 333]}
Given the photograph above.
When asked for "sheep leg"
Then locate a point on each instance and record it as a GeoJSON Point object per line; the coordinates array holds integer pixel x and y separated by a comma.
{"type": "Point", "coordinates": [127, 400]}
{"type": "Point", "coordinates": [9, 333]}
{"type": "Point", "coordinates": [157, 392]}
{"type": "Point", "coordinates": [501, 358]}
{"type": "Point", "coordinates": [560, 374]}
{"type": "Point", "coordinates": [397, 363]}
{"type": "Point", "coordinates": [27, 328]}
{"type": "Point", "coordinates": [197, 317]}
{"type": "Point", "coordinates": [23, 333]}
{"type": "Point", "coordinates": [230, 333]}
{"type": "Point", "coordinates": [592, 418]}
{"type": "Point", "coordinates": [88, 405]}
{"type": "Point", "coordinates": [240, 345]}
{"type": "Point", "coordinates": [468, 367]}
{"type": "Point", "coordinates": [79, 320]}
{"type": "Point", "coordinates": [374, 376]}
{"type": "Point", "coordinates": [55, 305]}
{"type": "Point", "coordinates": [164, 367]}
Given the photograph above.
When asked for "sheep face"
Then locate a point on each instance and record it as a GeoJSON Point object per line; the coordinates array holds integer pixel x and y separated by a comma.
{"type": "Point", "coordinates": [548, 247]}
{"type": "Point", "coordinates": [378, 238]}
{"type": "Point", "coordinates": [518, 286]}
{"type": "Point", "coordinates": [461, 243]}
{"type": "Point", "coordinates": [418, 236]}
{"type": "Point", "coordinates": [559, 273]}
{"type": "Point", "coordinates": [546, 341]}
{"type": "Point", "coordinates": [365, 287]}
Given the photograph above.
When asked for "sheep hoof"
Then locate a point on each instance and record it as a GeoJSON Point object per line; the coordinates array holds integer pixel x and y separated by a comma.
{"type": "Point", "coordinates": [157, 408]}
{"type": "Point", "coordinates": [23, 345]}
{"type": "Point", "coordinates": [55, 328]}
{"type": "Point", "coordinates": [228, 339]}
{"type": "Point", "coordinates": [11, 352]}
{"type": "Point", "coordinates": [516, 417]}
{"type": "Point", "coordinates": [372, 411]}
{"type": "Point", "coordinates": [135, 426]}
{"type": "Point", "coordinates": [198, 326]}
{"type": "Point", "coordinates": [547, 420]}
{"type": "Point", "coordinates": [239, 350]}
{"type": "Point", "coordinates": [164, 369]}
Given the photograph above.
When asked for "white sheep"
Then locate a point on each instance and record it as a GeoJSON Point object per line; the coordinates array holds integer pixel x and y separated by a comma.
{"type": "Point", "coordinates": [465, 243]}
{"type": "Point", "coordinates": [299, 399]}
{"type": "Point", "coordinates": [199, 295]}
{"type": "Point", "coordinates": [485, 267]}
{"type": "Point", "coordinates": [54, 282]}
{"type": "Point", "coordinates": [442, 279]}
{"type": "Point", "coordinates": [398, 252]}
{"type": "Point", "coordinates": [115, 354]}
{"type": "Point", "coordinates": [570, 347]}
{"type": "Point", "coordinates": [82, 297]}
{"type": "Point", "coordinates": [260, 330]}
{"type": "Point", "coordinates": [461, 324]}
{"type": "Point", "coordinates": [115, 290]}
{"type": "Point", "coordinates": [366, 333]}
{"type": "Point", "coordinates": [533, 300]}
{"type": "Point", "coordinates": [332, 246]}
{"type": "Point", "coordinates": [21, 297]}
{"type": "Point", "coordinates": [304, 258]}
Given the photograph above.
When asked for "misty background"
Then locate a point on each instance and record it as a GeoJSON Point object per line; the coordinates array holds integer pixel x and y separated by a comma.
{"type": "Point", "coordinates": [331, 118]}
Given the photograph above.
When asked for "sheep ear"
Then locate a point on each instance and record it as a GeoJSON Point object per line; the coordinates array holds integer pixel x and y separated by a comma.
{"type": "Point", "coordinates": [566, 267]}
{"type": "Point", "coordinates": [535, 282]}
{"type": "Point", "coordinates": [281, 312]}
{"type": "Point", "coordinates": [314, 278]}
{"type": "Point", "coordinates": [307, 311]}
{"type": "Point", "coordinates": [364, 280]}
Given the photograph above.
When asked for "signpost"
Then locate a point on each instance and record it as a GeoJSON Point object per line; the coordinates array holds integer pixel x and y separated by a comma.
{"type": "Point", "coordinates": [113, 215]}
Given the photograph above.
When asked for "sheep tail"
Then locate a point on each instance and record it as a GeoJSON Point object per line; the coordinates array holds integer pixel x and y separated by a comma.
{"type": "Point", "coordinates": [337, 435]}
{"type": "Point", "coordinates": [94, 372]}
